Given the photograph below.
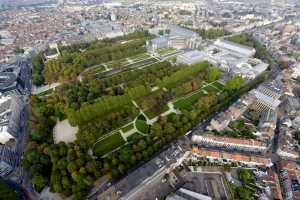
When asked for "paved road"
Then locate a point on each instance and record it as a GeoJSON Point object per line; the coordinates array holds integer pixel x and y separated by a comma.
{"type": "Point", "coordinates": [168, 156]}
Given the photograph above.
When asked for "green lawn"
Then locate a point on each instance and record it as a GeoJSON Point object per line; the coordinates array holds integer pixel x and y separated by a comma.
{"type": "Point", "coordinates": [140, 57]}
{"type": "Point", "coordinates": [127, 128]}
{"type": "Point", "coordinates": [164, 51]}
{"type": "Point", "coordinates": [218, 85]}
{"type": "Point", "coordinates": [142, 126]}
{"type": "Point", "coordinates": [108, 144]}
{"type": "Point", "coordinates": [186, 103]}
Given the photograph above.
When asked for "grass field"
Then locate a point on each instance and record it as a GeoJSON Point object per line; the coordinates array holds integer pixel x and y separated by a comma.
{"type": "Point", "coordinates": [185, 103]}
{"type": "Point", "coordinates": [189, 100]}
{"type": "Point", "coordinates": [164, 51]}
{"type": "Point", "coordinates": [142, 126]}
{"type": "Point", "coordinates": [108, 144]}
{"type": "Point", "coordinates": [127, 128]}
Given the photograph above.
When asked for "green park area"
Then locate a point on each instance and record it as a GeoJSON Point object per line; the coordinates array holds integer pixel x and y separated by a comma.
{"type": "Point", "coordinates": [127, 128]}
{"type": "Point", "coordinates": [165, 51]}
{"type": "Point", "coordinates": [108, 144]}
{"type": "Point", "coordinates": [142, 126]}
{"type": "Point", "coordinates": [123, 119]}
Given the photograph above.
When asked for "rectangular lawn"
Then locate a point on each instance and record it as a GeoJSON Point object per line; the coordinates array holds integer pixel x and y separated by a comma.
{"type": "Point", "coordinates": [108, 144]}
{"type": "Point", "coordinates": [142, 126]}
{"type": "Point", "coordinates": [186, 103]}
{"type": "Point", "coordinates": [127, 128]}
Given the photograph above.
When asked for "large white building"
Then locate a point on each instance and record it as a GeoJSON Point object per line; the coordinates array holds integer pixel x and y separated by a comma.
{"type": "Point", "coordinates": [243, 50]}
{"type": "Point", "coordinates": [178, 38]}
{"type": "Point", "coordinates": [191, 57]}
{"type": "Point", "coordinates": [235, 59]}
{"type": "Point", "coordinates": [267, 97]}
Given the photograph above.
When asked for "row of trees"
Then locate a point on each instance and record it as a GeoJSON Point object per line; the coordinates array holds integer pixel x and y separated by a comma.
{"type": "Point", "coordinates": [74, 94]}
{"type": "Point", "coordinates": [37, 70]}
{"type": "Point", "coordinates": [91, 131]}
{"type": "Point", "coordinates": [77, 57]}
{"type": "Point", "coordinates": [212, 33]}
{"type": "Point", "coordinates": [183, 74]}
{"type": "Point", "coordinates": [105, 105]}
{"type": "Point", "coordinates": [69, 65]}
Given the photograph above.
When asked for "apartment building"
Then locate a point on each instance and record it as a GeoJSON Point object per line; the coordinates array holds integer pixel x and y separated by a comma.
{"type": "Point", "coordinates": [229, 143]}
{"type": "Point", "coordinates": [225, 157]}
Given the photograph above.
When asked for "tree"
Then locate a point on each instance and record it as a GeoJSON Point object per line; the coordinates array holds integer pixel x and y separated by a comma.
{"type": "Point", "coordinates": [213, 74]}
{"type": "Point", "coordinates": [156, 130]}
{"type": "Point", "coordinates": [235, 83]}
{"type": "Point", "coordinates": [39, 182]}
{"type": "Point", "coordinates": [142, 144]}
{"type": "Point", "coordinates": [72, 167]}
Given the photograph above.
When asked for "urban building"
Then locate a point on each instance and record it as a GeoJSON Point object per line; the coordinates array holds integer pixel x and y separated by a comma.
{"type": "Point", "coordinates": [273, 190]}
{"type": "Point", "coordinates": [177, 37]}
{"type": "Point", "coordinates": [289, 180]}
{"type": "Point", "coordinates": [234, 48]}
{"type": "Point", "coordinates": [226, 157]}
{"type": "Point", "coordinates": [191, 57]}
{"type": "Point", "coordinates": [15, 77]}
{"type": "Point", "coordinates": [222, 120]}
{"type": "Point", "coordinates": [266, 98]}
{"type": "Point", "coordinates": [185, 194]}
{"type": "Point", "coordinates": [11, 108]}
{"type": "Point", "coordinates": [229, 143]}
{"type": "Point", "coordinates": [235, 59]}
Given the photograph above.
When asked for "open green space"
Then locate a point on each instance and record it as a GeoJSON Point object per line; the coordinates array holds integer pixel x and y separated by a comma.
{"type": "Point", "coordinates": [127, 128]}
{"type": "Point", "coordinates": [185, 103]}
{"type": "Point", "coordinates": [142, 126]}
{"type": "Point", "coordinates": [190, 99]}
{"type": "Point", "coordinates": [93, 70]}
{"type": "Point", "coordinates": [108, 144]}
{"type": "Point", "coordinates": [164, 51]}
{"type": "Point", "coordinates": [104, 105]}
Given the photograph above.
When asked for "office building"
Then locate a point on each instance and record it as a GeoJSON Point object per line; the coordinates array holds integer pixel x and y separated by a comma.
{"type": "Point", "coordinates": [11, 108]}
